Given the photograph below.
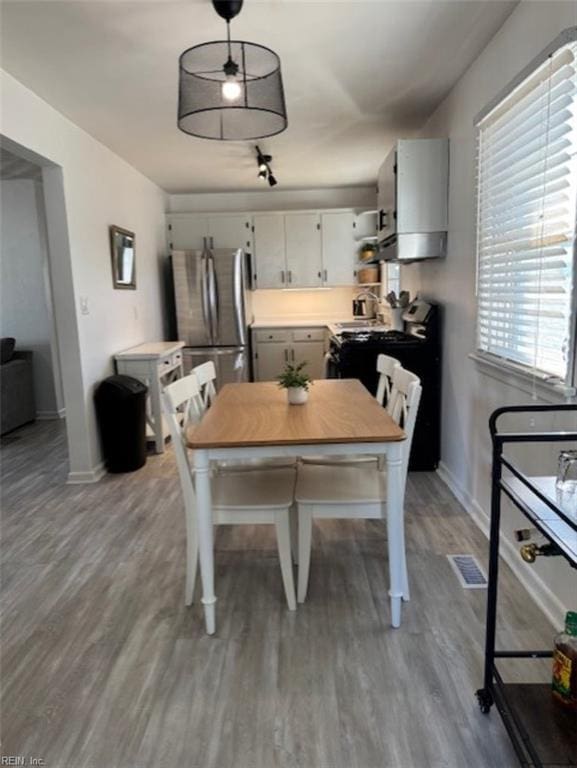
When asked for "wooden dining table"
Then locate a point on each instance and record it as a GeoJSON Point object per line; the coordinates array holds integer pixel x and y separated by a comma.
{"type": "Point", "coordinates": [255, 420]}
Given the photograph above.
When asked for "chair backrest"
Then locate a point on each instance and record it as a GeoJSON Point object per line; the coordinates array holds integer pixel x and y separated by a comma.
{"type": "Point", "coordinates": [206, 376]}
{"type": "Point", "coordinates": [406, 393]}
{"type": "Point", "coordinates": [182, 405]}
{"type": "Point", "coordinates": [385, 367]}
{"type": "Point", "coordinates": [184, 398]}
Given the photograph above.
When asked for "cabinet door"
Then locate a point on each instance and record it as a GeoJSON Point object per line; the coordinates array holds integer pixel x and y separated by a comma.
{"type": "Point", "coordinates": [269, 251]}
{"type": "Point", "coordinates": [187, 233]}
{"type": "Point", "coordinates": [339, 248]}
{"type": "Point", "coordinates": [231, 232]}
{"type": "Point", "coordinates": [303, 250]}
{"type": "Point", "coordinates": [313, 352]}
{"type": "Point", "coordinates": [270, 360]}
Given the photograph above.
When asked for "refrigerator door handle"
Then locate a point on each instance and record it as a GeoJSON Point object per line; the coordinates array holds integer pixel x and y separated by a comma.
{"type": "Point", "coordinates": [213, 298]}
{"type": "Point", "coordinates": [238, 296]}
{"type": "Point", "coordinates": [204, 296]}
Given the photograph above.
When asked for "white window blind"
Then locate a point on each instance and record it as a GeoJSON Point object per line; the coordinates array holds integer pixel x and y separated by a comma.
{"type": "Point", "coordinates": [527, 208]}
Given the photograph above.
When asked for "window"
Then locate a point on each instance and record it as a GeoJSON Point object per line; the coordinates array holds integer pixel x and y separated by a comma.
{"type": "Point", "coordinates": [392, 277]}
{"type": "Point", "coordinates": [526, 215]}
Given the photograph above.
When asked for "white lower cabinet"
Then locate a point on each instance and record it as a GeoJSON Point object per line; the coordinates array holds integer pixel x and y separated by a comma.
{"type": "Point", "coordinates": [273, 348]}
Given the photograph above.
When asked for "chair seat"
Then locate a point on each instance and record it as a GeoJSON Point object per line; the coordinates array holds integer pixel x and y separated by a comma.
{"type": "Point", "coordinates": [269, 489]}
{"type": "Point", "coordinates": [337, 484]}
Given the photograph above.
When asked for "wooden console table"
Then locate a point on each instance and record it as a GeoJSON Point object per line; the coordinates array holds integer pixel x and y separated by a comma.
{"type": "Point", "coordinates": [156, 364]}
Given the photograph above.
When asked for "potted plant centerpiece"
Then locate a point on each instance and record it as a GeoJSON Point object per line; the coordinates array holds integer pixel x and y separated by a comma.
{"type": "Point", "coordinates": [296, 382]}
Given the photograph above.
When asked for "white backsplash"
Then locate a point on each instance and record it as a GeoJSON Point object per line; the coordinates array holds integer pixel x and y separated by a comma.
{"type": "Point", "coordinates": [323, 303]}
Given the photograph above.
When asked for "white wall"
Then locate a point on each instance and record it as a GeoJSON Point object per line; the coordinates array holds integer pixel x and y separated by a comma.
{"type": "Point", "coordinates": [276, 200]}
{"type": "Point", "coordinates": [469, 394]}
{"type": "Point", "coordinates": [25, 312]}
{"type": "Point", "coordinates": [99, 189]}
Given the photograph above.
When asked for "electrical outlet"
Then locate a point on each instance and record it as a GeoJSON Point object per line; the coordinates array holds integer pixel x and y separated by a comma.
{"type": "Point", "coordinates": [84, 305]}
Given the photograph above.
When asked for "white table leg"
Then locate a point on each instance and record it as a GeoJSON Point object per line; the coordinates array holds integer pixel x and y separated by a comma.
{"type": "Point", "coordinates": [205, 538]}
{"type": "Point", "coordinates": [395, 530]}
{"type": "Point", "coordinates": [156, 407]}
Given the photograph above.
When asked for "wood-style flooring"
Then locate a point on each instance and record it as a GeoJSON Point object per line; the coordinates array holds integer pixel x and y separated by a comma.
{"type": "Point", "coordinates": [104, 667]}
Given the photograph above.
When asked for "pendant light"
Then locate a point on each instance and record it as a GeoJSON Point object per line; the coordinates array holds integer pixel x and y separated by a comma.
{"type": "Point", "coordinates": [230, 90]}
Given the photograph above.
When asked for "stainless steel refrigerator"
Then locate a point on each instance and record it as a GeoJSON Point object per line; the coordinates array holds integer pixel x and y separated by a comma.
{"type": "Point", "coordinates": [211, 297]}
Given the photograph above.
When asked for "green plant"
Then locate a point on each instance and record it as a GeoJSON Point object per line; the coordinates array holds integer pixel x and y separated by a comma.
{"type": "Point", "coordinates": [370, 247]}
{"type": "Point", "coordinates": [294, 376]}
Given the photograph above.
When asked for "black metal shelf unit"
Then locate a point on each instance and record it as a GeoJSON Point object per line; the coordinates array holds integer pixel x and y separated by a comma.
{"type": "Point", "coordinates": [542, 733]}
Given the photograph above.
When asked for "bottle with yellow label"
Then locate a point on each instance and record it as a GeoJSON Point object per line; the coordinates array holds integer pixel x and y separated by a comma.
{"type": "Point", "coordinates": [565, 663]}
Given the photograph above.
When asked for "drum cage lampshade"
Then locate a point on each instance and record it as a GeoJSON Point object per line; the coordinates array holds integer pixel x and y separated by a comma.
{"type": "Point", "coordinates": [258, 111]}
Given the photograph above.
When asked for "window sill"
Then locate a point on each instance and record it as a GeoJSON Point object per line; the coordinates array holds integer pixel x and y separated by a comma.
{"type": "Point", "coordinates": [523, 381]}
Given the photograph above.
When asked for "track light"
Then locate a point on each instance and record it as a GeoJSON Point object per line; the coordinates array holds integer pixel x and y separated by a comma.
{"type": "Point", "coordinates": [264, 169]}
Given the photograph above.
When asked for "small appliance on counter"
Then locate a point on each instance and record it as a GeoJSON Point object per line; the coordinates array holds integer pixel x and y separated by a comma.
{"type": "Point", "coordinates": [353, 355]}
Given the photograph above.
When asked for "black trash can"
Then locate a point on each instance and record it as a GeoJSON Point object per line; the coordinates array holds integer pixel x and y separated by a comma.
{"type": "Point", "coordinates": [121, 413]}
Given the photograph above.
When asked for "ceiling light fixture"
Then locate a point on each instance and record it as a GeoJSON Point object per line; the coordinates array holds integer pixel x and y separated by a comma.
{"type": "Point", "coordinates": [230, 90]}
{"type": "Point", "coordinates": [264, 169]}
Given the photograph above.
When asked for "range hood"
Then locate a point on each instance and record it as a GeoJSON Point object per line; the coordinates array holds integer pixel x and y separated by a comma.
{"type": "Point", "coordinates": [413, 190]}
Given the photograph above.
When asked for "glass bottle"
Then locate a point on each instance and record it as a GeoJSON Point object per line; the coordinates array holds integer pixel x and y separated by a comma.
{"type": "Point", "coordinates": [565, 664]}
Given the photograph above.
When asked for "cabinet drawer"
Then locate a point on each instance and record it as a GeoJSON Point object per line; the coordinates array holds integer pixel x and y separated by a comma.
{"type": "Point", "coordinates": [165, 364]}
{"type": "Point", "coordinates": [308, 334]}
{"type": "Point", "coordinates": [272, 334]}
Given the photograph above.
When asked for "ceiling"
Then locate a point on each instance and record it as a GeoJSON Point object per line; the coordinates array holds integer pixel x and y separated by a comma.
{"type": "Point", "coordinates": [357, 75]}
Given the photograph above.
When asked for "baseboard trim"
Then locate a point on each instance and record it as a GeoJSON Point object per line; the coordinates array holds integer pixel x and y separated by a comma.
{"type": "Point", "coordinates": [51, 415]}
{"type": "Point", "coordinates": [547, 600]}
{"type": "Point", "coordinates": [88, 476]}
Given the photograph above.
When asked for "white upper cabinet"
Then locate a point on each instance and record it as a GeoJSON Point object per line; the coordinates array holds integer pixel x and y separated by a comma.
{"type": "Point", "coordinates": [231, 231]}
{"type": "Point", "coordinates": [187, 233]}
{"type": "Point", "coordinates": [269, 251]}
{"type": "Point", "coordinates": [338, 248]}
{"type": "Point", "coordinates": [303, 250]}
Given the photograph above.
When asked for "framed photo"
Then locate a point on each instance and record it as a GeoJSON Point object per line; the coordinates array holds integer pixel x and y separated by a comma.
{"type": "Point", "coordinates": [123, 258]}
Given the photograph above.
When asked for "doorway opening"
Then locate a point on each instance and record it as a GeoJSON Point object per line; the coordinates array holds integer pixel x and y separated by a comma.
{"type": "Point", "coordinates": [37, 307]}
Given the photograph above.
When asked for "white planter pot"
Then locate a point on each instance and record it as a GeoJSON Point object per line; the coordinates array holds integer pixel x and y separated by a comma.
{"type": "Point", "coordinates": [297, 395]}
{"type": "Point", "coordinates": [397, 323]}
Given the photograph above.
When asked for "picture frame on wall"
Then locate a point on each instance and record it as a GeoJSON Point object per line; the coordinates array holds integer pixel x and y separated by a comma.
{"type": "Point", "coordinates": [123, 257]}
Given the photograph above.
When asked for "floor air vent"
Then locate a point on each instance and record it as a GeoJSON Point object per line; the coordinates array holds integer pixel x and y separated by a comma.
{"type": "Point", "coordinates": [468, 571]}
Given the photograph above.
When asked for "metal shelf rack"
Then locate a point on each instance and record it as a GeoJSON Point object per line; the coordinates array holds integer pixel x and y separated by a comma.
{"type": "Point", "coordinates": [542, 733]}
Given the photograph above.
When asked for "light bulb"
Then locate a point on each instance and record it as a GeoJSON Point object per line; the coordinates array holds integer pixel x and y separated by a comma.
{"type": "Point", "coordinates": [231, 89]}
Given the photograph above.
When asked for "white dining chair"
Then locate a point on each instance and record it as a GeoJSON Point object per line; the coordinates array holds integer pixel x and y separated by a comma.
{"type": "Point", "coordinates": [386, 365]}
{"type": "Point", "coordinates": [206, 375]}
{"type": "Point", "coordinates": [237, 497]}
{"type": "Point", "coordinates": [355, 492]}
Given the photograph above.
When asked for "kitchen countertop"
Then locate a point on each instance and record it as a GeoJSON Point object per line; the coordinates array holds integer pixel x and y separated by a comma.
{"type": "Point", "coordinates": [301, 322]}
{"type": "Point", "coordinates": [150, 350]}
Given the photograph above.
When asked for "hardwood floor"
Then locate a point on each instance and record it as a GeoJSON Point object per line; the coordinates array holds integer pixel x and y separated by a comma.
{"type": "Point", "coordinates": [104, 667]}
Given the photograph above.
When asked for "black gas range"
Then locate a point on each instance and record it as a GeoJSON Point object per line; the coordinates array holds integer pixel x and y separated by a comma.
{"type": "Point", "coordinates": [353, 355]}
